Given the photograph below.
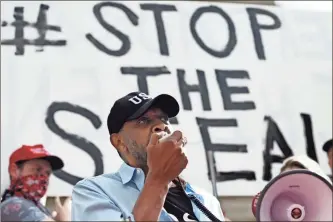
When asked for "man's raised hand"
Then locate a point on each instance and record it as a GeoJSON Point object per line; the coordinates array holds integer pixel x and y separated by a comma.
{"type": "Point", "coordinates": [166, 159]}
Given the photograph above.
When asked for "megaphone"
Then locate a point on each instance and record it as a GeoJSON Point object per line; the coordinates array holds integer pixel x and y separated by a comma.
{"type": "Point", "coordinates": [295, 195]}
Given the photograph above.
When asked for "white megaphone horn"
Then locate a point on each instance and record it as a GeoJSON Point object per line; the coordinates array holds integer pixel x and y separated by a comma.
{"type": "Point", "coordinates": [296, 195]}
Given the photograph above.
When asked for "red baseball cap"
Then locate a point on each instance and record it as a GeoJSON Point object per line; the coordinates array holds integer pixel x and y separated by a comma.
{"type": "Point", "coordinates": [38, 151]}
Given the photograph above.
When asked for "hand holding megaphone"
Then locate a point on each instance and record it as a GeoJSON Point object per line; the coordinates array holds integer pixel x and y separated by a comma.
{"type": "Point", "coordinates": [165, 157]}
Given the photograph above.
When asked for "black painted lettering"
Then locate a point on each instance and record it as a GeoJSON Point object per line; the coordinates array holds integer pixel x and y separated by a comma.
{"type": "Point", "coordinates": [209, 146]}
{"type": "Point", "coordinates": [203, 126]}
{"type": "Point", "coordinates": [256, 27]}
{"type": "Point", "coordinates": [273, 134]}
{"type": "Point", "coordinates": [226, 91]}
{"type": "Point", "coordinates": [142, 73]}
{"type": "Point", "coordinates": [232, 39]}
{"type": "Point", "coordinates": [308, 133]}
{"type": "Point", "coordinates": [157, 9]}
{"type": "Point", "coordinates": [126, 43]}
{"type": "Point", "coordinates": [80, 142]}
{"type": "Point", "coordinates": [185, 89]}
{"type": "Point", "coordinates": [174, 121]}
{"type": "Point", "coordinates": [41, 26]}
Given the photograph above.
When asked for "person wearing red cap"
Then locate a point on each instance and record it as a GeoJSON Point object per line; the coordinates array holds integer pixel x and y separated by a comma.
{"type": "Point", "coordinates": [29, 169]}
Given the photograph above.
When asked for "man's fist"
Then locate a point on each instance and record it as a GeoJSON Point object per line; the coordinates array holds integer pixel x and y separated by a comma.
{"type": "Point", "coordinates": [166, 159]}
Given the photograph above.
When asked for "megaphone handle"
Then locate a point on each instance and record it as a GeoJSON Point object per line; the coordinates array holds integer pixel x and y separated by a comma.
{"type": "Point", "coordinates": [203, 209]}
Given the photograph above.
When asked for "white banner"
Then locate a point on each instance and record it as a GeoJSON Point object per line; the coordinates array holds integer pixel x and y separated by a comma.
{"type": "Point", "coordinates": [250, 80]}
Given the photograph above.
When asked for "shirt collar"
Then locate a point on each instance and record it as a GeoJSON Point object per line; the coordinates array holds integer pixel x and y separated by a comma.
{"type": "Point", "coordinates": [128, 173]}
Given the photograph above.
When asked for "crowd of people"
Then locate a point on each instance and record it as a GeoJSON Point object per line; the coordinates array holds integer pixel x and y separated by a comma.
{"type": "Point", "coordinates": [147, 187]}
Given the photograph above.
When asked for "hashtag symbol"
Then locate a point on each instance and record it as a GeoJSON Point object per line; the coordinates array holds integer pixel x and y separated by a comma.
{"type": "Point", "coordinates": [40, 25]}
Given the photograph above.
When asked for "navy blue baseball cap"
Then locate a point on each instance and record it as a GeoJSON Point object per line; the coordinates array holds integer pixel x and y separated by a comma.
{"type": "Point", "coordinates": [135, 104]}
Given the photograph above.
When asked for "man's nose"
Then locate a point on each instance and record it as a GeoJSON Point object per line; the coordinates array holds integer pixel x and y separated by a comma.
{"type": "Point", "coordinates": [44, 173]}
{"type": "Point", "coordinates": [160, 127]}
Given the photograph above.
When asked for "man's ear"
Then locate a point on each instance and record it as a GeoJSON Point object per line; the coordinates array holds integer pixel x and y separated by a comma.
{"type": "Point", "coordinates": [118, 143]}
{"type": "Point", "coordinates": [114, 139]}
{"type": "Point", "coordinates": [13, 171]}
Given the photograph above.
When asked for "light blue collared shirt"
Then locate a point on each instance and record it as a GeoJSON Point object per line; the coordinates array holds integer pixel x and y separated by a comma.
{"type": "Point", "coordinates": [111, 197]}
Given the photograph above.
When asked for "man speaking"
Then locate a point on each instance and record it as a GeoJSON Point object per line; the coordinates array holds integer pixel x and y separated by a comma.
{"type": "Point", "coordinates": [147, 187]}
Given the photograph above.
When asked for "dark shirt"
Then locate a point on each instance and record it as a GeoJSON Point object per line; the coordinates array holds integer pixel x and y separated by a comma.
{"type": "Point", "coordinates": [178, 205]}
